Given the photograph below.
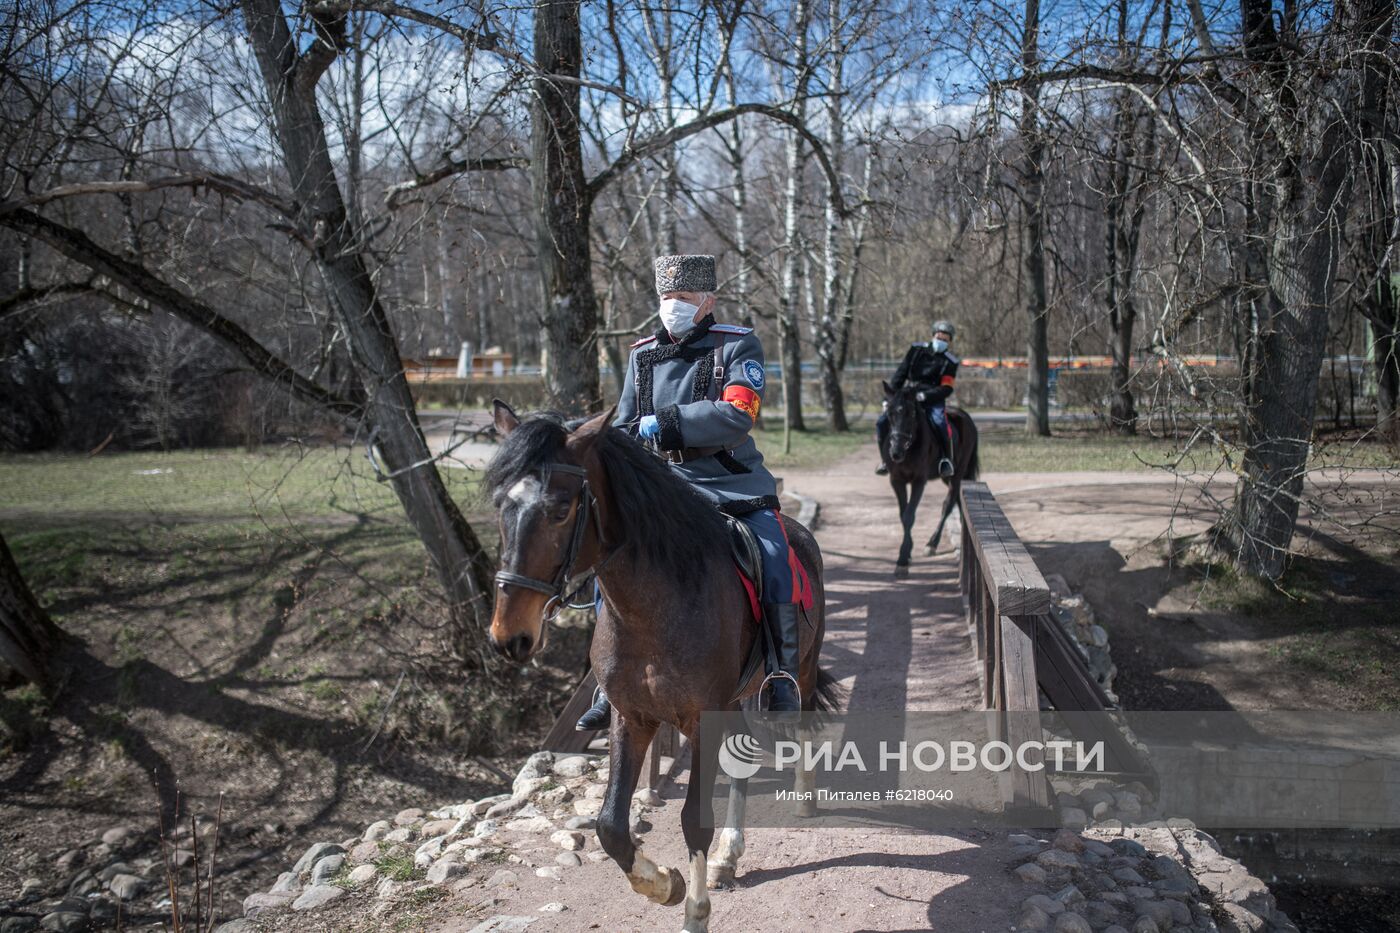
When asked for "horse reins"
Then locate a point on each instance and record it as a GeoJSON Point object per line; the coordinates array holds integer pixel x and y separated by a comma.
{"type": "Point", "coordinates": [554, 589]}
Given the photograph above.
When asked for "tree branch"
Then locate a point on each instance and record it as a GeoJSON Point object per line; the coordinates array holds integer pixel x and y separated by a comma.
{"type": "Point", "coordinates": [447, 169]}
{"type": "Point", "coordinates": [223, 184]}
{"type": "Point", "coordinates": [484, 40]}
{"type": "Point", "coordinates": [18, 300]}
{"type": "Point", "coordinates": [663, 140]}
{"type": "Point", "coordinates": [80, 248]}
{"type": "Point", "coordinates": [329, 25]}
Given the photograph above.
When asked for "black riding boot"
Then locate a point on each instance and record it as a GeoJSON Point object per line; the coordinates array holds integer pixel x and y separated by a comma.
{"type": "Point", "coordinates": [598, 715]}
{"type": "Point", "coordinates": [882, 431]}
{"type": "Point", "coordinates": [782, 622]}
{"type": "Point", "coordinates": [945, 446]}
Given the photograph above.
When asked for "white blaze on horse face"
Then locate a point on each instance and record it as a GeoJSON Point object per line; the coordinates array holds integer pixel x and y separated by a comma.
{"type": "Point", "coordinates": [524, 491]}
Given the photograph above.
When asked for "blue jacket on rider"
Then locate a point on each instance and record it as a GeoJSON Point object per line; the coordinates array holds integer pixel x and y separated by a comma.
{"type": "Point", "coordinates": [705, 391]}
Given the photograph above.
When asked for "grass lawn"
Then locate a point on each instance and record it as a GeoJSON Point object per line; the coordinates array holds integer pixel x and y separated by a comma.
{"type": "Point", "coordinates": [1007, 449]}
{"type": "Point", "coordinates": [224, 483]}
{"type": "Point", "coordinates": [811, 449]}
{"type": "Point", "coordinates": [1331, 618]}
{"type": "Point", "coordinates": [1010, 451]}
{"type": "Point", "coordinates": [219, 531]}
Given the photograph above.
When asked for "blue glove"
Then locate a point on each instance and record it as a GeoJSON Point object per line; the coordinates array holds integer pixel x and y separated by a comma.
{"type": "Point", "coordinates": [649, 427]}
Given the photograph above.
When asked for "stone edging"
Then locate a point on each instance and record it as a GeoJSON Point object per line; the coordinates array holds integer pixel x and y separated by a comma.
{"type": "Point", "coordinates": [551, 809]}
{"type": "Point", "coordinates": [809, 511]}
{"type": "Point", "coordinates": [1159, 878]}
{"type": "Point", "coordinates": [1119, 866]}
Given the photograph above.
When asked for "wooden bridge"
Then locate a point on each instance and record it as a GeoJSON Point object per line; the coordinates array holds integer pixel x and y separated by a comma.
{"type": "Point", "coordinates": [1028, 664]}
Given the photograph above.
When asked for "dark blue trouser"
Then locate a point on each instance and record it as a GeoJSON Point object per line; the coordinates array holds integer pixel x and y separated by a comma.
{"type": "Point", "coordinates": [778, 585]}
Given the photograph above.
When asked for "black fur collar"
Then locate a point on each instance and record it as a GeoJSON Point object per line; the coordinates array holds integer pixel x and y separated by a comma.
{"type": "Point", "coordinates": [665, 349]}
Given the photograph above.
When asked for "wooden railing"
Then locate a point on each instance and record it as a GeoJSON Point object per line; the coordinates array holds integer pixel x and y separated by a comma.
{"type": "Point", "coordinates": [1024, 652]}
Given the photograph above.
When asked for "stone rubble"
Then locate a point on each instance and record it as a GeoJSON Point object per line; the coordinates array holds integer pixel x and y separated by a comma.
{"type": "Point", "coordinates": [1076, 617]}
{"type": "Point", "coordinates": [1152, 878]}
{"type": "Point", "coordinates": [1118, 865]}
{"type": "Point", "coordinates": [543, 827]}
{"type": "Point", "coordinates": [119, 872]}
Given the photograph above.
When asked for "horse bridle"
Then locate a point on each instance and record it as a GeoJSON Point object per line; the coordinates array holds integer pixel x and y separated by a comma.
{"type": "Point", "coordinates": [895, 433]}
{"type": "Point", "coordinates": [554, 589]}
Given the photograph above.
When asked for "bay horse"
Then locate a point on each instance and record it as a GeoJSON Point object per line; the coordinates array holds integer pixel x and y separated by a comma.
{"type": "Point", "coordinates": [673, 632]}
{"type": "Point", "coordinates": [912, 451]}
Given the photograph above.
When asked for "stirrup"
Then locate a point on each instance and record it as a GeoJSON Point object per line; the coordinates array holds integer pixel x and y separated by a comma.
{"type": "Point", "coordinates": [946, 468]}
{"type": "Point", "coordinates": [783, 675]}
{"type": "Point", "coordinates": [883, 469]}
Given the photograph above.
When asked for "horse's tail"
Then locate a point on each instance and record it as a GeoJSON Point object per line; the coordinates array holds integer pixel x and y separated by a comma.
{"type": "Point", "coordinates": [829, 695]}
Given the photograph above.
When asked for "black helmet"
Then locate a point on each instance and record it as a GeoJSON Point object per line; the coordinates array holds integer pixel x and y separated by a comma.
{"type": "Point", "coordinates": [946, 327]}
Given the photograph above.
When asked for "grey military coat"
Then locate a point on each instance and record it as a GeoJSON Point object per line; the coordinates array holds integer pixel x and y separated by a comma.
{"type": "Point", "coordinates": [705, 392]}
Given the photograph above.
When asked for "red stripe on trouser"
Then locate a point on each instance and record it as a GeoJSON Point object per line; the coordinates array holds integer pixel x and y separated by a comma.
{"type": "Point", "coordinates": [792, 560]}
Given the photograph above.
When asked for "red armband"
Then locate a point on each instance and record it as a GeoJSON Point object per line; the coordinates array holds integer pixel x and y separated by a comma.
{"type": "Point", "coordinates": [947, 381]}
{"type": "Point", "coordinates": [742, 398]}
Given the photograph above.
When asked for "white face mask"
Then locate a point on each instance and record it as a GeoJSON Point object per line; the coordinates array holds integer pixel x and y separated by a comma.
{"type": "Point", "coordinates": [678, 316]}
{"type": "Point", "coordinates": [939, 345]}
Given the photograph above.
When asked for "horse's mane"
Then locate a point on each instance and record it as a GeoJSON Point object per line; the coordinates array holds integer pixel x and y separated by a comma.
{"type": "Point", "coordinates": [657, 517]}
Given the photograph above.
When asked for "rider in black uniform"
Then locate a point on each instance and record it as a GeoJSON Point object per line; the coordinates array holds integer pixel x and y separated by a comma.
{"type": "Point", "coordinates": [932, 367]}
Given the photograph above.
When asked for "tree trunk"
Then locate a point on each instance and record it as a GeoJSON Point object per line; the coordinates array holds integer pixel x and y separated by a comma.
{"type": "Point", "coordinates": [789, 329]}
{"type": "Point", "coordinates": [828, 335]}
{"type": "Point", "coordinates": [739, 196]}
{"type": "Point", "coordinates": [1120, 244]}
{"type": "Point", "coordinates": [461, 564]}
{"type": "Point", "coordinates": [562, 210]}
{"type": "Point", "coordinates": [1122, 410]}
{"type": "Point", "coordinates": [1381, 206]}
{"type": "Point", "coordinates": [1310, 156]}
{"type": "Point", "coordinates": [29, 639]}
{"type": "Point", "coordinates": [1033, 201]}
{"type": "Point", "coordinates": [1386, 347]}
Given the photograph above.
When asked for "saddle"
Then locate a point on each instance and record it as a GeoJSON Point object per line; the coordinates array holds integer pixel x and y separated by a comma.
{"type": "Point", "coordinates": [748, 563]}
{"type": "Point", "coordinates": [748, 558]}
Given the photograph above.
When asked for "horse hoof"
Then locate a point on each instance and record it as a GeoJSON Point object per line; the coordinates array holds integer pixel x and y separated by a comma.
{"type": "Point", "coordinates": [807, 809]}
{"type": "Point", "coordinates": [901, 572]}
{"type": "Point", "coordinates": [677, 889]}
{"type": "Point", "coordinates": [721, 877]}
{"type": "Point", "coordinates": [930, 550]}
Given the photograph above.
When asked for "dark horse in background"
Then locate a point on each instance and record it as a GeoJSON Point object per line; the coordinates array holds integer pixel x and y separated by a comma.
{"type": "Point", "coordinates": [674, 631]}
{"type": "Point", "coordinates": [912, 450]}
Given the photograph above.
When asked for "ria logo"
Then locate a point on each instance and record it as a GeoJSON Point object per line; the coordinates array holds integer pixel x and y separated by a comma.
{"type": "Point", "coordinates": [740, 756]}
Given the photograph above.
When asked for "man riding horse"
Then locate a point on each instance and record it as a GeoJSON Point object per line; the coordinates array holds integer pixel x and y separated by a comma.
{"type": "Point", "coordinates": [931, 367]}
{"type": "Point", "coordinates": [693, 389]}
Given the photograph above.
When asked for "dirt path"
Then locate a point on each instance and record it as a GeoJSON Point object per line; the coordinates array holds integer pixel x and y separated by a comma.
{"type": "Point", "coordinates": [893, 645]}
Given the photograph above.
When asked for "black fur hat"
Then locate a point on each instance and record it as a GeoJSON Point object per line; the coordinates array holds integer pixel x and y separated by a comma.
{"type": "Point", "coordinates": [684, 274]}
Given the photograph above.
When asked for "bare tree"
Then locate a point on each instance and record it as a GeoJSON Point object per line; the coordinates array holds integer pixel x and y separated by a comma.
{"type": "Point", "coordinates": [290, 78]}
{"type": "Point", "coordinates": [29, 640]}
{"type": "Point", "coordinates": [789, 321]}
{"type": "Point", "coordinates": [1031, 191]}
{"type": "Point", "coordinates": [563, 204]}
{"type": "Point", "coordinates": [1299, 110]}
